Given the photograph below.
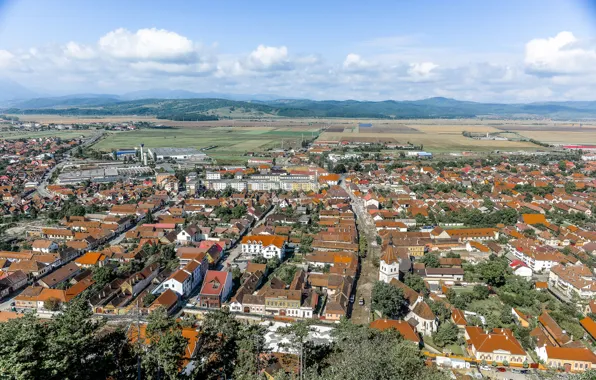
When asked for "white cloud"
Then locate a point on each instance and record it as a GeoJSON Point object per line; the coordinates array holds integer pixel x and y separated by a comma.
{"type": "Point", "coordinates": [264, 57]}
{"type": "Point", "coordinates": [74, 50]}
{"type": "Point", "coordinates": [422, 69]}
{"type": "Point", "coordinates": [559, 55]}
{"type": "Point", "coordinates": [561, 67]}
{"type": "Point", "coordinates": [147, 44]}
{"type": "Point", "coordinates": [355, 62]}
{"type": "Point", "coordinates": [6, 58]}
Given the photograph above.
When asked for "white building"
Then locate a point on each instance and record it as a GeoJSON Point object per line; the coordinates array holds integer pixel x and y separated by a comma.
{"type": "Point", "coordinates": [268, 246]}
{"type": "Point", "coordinates": [394, 263]}
{"type": "Point", "coordinates": [177, 154]}
{"type": "Point", "coordinates": [184, 280]}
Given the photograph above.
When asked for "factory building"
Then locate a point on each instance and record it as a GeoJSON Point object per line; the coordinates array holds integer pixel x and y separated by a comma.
{"type": "Point", "coordinates": [177, 154]}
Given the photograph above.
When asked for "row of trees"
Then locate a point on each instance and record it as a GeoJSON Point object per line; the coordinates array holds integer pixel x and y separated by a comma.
{"type": "Point", "coordinates": [74, 345]}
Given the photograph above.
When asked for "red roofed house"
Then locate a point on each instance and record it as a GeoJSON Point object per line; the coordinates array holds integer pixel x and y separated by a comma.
{"type": "Point", "coordinates": [216, 289]}
{"type": "Point", "coordinates": [404, 328]}
{"type": "Point", "coordinates": [521, 269]}
{"type": "Point", "coordinates": [267, 246]}
{"type": "Point", "coordinates": [569, 358]}
{"type": "Point", "coordinates": [498, 345]}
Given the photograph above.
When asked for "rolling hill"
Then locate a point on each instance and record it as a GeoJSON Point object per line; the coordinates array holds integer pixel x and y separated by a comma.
{"type": "Point", "coordinates": [214, 108]}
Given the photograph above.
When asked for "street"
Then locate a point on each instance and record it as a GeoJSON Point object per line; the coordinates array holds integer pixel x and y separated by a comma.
{"type": "Point", "coordinates": [368, 271]}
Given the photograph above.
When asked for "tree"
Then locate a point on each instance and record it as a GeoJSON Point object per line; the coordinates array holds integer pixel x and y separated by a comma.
{"type": "Point", "coordinates": [273, 263]}
{"type": "Point", "coordinates": [416, 282]}
{"type": "Point", "coordinates": [442, 312]}
{"type": "Point", "coordinates": [217, 347]}
{"type": "Point", "coordinates": [362, 353]}
{"type": "Point", "coordinates": [251, 353]}
{"type": "Point", "coordinates": [480, 292]}
{"type": "Point", "coordinates": [149, 217]}
{"type": "Point", "coordinates": [148, 300]}
{"type": "Point", "coordinates": [388, 300]}
{"type": "Point", "coordinates": [430, 260]}
{"type": "Point", "coordinates": [166, 346]}
{"type": "Point", "coordinates": [102, 276]}
{"type": "Point", "coordinates": [52, 304]}
{"type": "Point", "coordinates": [305, 243]}
{"type": "Point", "coordinates": [493, 271]}
{"type": "Point", "coordinates": [362, 246]}
{"type": "Point", "coordinates": [446, 334]}
{"type": "Point", "coordinates": [339, 168]}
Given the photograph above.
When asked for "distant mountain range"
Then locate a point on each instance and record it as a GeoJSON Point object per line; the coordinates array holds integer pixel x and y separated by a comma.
{"type": "Point", "coordinates": [186, 105]}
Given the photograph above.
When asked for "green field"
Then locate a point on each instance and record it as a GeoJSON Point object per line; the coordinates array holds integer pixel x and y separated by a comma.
{"type": "Point", "coordinates": [231, 142]}
{"type": "Point", "coordinates": [11, 135]}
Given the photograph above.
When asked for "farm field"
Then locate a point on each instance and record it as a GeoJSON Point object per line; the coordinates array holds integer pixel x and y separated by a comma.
{"type": "Point", "coordinates": [11, 135]}
{"type": "Point", "coordinates": [231, 143]}
{"type": "Point", "coordinates": [587, 136]}
{"type": "Point", "coordinates": [436, 141]}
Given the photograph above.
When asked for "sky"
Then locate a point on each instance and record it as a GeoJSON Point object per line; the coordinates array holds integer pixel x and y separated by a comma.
{"type": "Point", "coordinates": [489, 51]}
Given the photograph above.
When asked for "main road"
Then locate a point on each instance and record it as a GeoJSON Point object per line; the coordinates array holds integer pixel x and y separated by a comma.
{"type": "Point", "coordinates": [369, 273]}
{"type": "Point", "coordinates": [42, 188]}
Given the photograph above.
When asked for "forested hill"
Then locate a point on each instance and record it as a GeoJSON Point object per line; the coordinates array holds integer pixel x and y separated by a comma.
{"type": "Point", "coordinates": [211, 109]}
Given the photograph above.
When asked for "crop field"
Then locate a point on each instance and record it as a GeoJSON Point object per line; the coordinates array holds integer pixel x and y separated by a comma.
{"type": "Point", "coordinates": [11, 135]}
{"type": "Point", "coordinates": [433, 136]}
{"type": "Point", "coordinates": [231, 143]}
{"type": "Point", "coordinates": [587, 136]}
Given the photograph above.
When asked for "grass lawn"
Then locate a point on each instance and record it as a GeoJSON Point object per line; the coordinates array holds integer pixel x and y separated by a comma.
{"type": "Point", "coordinates": [231, 143]}
{"type": "Point", "coordinates": [11, 135]}
{"type": "Point", "coordinates": [455, 349]}
{"type": "Point", "coordinates": [491, 305]}
{"type": "Point", "coordinates": [462, 289]}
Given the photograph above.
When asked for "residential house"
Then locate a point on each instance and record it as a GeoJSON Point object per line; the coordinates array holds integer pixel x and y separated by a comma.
{"type": "Point", "coordinates": [499, 345]}
{"type": "Point", "coordinates": [190, 234]}
{"type": "Point", "coordinates": [268, 246]}
{"type": "Point", "coordinates": [216, 289]}
{"type": "Point", "coordinates": [44, 246]}
{"type": "Point", "coordinates": [569, 359]}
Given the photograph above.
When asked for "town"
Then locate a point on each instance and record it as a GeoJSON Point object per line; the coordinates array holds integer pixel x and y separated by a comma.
{"type": "Point", "coordinates": [482, 264]}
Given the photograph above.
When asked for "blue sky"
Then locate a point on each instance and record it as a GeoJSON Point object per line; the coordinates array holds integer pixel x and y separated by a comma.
{"type": "Point", "coordinates": [475, 50]}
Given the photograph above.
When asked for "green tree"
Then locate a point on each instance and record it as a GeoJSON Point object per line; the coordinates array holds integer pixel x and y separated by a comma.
{"type": "Point", "coordinates": [362, 246]}
{"type": "Point", "coordinates": [442, 312]}
{"type": "Point", "coordinates": [102, 276]}
{"type": "Point", "coordinates": [388, 300]}
{"type": "Point", "coordinates": [446, 334]}
{"type": "Point", "coordinates": [251, 353]}
{"type": "Point", "coordinates": [52, 304]}
{"type": "Point", "coordinates": [493, 271]}
{"type": "Point", "coordinates": [361, 353]}
{"type": "Point", "coordinates": [217, 347]}
{"type": "Point", "coordinates": [480, 292]}
{"type": "Point", "coordinates": [430, 260]}
{"type": "Point", "coordinates": [166, 346]}
{"type": "Point", "coordinates": [416, 282]}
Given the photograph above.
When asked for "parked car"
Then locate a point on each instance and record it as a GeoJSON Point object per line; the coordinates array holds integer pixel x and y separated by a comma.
{"type": "Point", "coordinates": [501, 369]}
{"type": "Point", "coordinates": [361, 302]}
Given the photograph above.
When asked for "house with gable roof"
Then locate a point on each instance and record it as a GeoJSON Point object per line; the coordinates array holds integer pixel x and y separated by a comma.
{"type": "Point", "coordinates": [268, 246]}
{"type": "Point", "coordinates": [498, 345]}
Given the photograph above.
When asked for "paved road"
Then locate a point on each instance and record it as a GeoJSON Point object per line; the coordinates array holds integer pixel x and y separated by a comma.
{"type": "Point", "coordinates": [42, 187]}
{"type": "Point", "coordinates": [369, 273]}
{"type": "Point", "coordinates": [236, 251]}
